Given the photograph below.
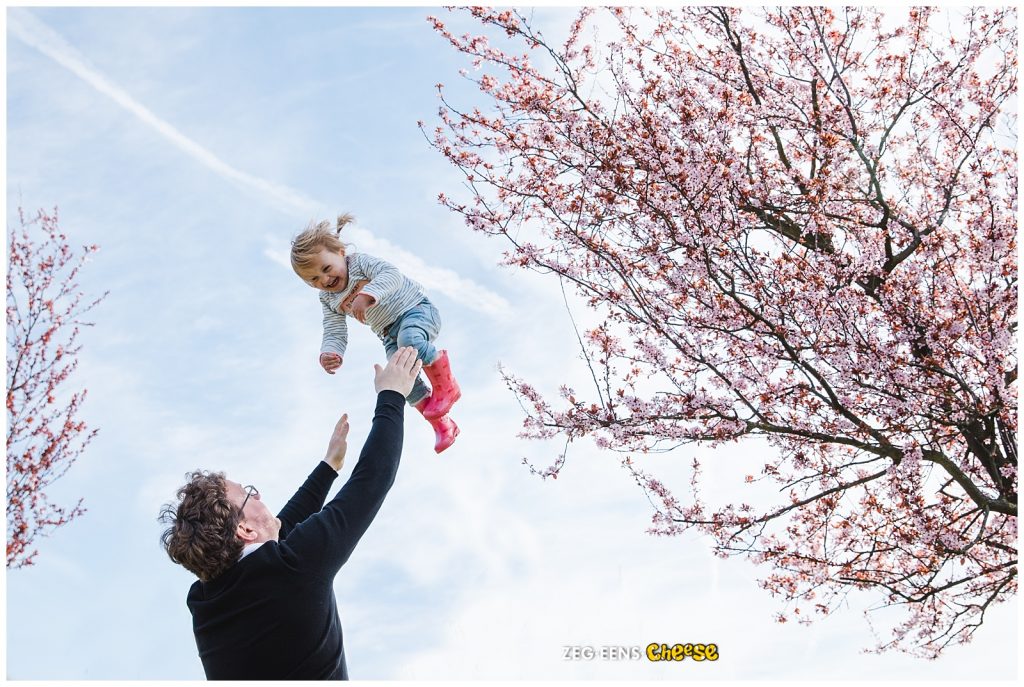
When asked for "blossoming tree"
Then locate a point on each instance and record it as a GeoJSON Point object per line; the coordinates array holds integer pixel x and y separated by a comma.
{"type": "Point", "coordinates": [797, 224]}
{"type": "Point", "coordinates": [44, 433]}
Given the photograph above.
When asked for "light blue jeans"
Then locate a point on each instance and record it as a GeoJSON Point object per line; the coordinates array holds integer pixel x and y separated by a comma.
{"type": "Point", "coordinates": [417, 327]}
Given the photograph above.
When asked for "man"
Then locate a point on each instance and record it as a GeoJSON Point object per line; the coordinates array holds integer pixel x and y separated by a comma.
{"type": "Point", "coordinates": [264, 607]}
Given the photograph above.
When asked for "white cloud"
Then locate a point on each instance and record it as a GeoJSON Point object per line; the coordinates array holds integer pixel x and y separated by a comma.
{"type": "Point", "coordinates": [434, 278]}
{"type": "Point", "coordinates": [277, 252]}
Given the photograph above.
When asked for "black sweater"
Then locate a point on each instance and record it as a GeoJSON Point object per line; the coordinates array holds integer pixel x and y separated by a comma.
{"type": "Point", "coordinates": [273, 615]}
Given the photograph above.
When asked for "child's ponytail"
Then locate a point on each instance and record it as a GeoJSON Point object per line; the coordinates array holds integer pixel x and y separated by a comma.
{"type": "Point", "coordinates": [343, 219]}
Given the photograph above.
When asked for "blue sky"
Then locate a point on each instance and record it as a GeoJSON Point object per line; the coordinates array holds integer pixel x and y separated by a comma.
{"type": "Point", "coordinates": [191, 144]}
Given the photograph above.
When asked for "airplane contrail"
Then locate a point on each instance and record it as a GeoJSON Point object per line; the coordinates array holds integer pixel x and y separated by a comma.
{"type": "Point", "coordinates": [35, 33]}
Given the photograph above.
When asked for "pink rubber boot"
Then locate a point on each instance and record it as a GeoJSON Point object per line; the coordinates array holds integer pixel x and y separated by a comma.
{"type": "Point", "coordinates": [445, 429]}
{"type": "Point", "coordinates": [444, 390]}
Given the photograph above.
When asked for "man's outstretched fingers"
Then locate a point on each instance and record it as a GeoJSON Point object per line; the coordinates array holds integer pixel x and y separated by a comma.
{"type": "Point", "coordinates": [407, 357]}
{"type": "Point", "coordinates": [408, 361]}
{"type": "Point", "coordinates": [400, 372]}
{"type": "Point", "coordinates": [416, 362]}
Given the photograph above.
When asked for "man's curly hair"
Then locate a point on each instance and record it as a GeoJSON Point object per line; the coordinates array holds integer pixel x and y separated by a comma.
{"type": "Point", "coordinates": [201, 535]}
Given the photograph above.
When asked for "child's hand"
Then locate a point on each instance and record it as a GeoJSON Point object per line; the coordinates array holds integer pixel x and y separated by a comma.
{"type": "Point", "coordinates": [357, 308]}
{"type": "Point", "coordinates": [330, 362]}
{"type": "Point", "coordinates": [346, 305]}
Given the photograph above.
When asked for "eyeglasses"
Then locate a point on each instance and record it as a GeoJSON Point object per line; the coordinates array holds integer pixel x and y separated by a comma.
{"type": "Point", "coordinates": [250, 491]}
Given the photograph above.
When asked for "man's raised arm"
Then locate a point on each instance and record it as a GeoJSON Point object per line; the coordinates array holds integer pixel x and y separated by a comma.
{"type": "Point", "coordinates": [325, 540]}
{"type": "Point", "coordinates": [309, 498]}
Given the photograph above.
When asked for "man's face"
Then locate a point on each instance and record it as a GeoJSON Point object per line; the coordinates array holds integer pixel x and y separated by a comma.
{"type": "Point", "coordinates": [255, 515]}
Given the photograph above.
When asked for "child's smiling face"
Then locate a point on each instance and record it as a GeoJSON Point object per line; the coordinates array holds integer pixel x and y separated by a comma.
{"type": "Point", "coordinates": [327, 272]}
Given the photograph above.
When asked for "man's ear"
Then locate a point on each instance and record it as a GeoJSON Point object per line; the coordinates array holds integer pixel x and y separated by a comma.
{"type": "Point", "coordinates": [245, 533]}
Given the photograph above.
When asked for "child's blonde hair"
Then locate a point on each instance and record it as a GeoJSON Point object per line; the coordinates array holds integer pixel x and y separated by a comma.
{"type": "Point", "coordinates": [316, 236]}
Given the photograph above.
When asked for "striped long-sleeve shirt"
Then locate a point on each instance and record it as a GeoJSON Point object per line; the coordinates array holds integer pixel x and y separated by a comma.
{"type": "Point", "coordinates": [394, 292]}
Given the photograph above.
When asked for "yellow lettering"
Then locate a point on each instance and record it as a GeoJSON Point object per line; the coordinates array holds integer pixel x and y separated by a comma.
{"type": "Point", "coordinates": [676, 652]}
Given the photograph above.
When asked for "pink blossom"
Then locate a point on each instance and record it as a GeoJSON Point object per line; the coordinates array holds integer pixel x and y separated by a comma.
{"type": "Point", "coordinates": [778, 247]}
{"type": "Point", "coordinates": [43, 438]}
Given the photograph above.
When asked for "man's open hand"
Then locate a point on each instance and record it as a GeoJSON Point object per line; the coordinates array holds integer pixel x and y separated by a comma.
{"type": "Point", "coordinates": [400, 372]}
{"type": "Point", "coordinates": [338, 444]}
